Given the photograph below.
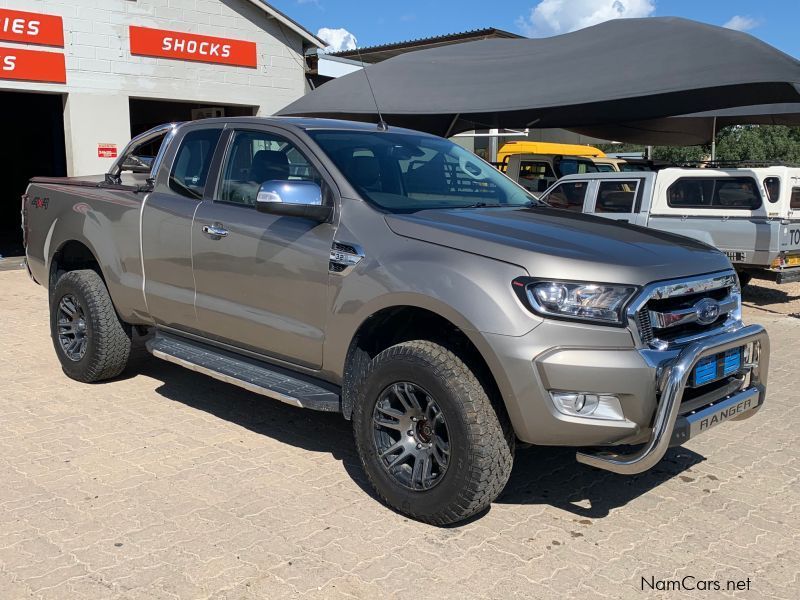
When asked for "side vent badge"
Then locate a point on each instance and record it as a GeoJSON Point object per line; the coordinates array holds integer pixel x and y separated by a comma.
{"type": "Point", "coordinates": [344, 257]}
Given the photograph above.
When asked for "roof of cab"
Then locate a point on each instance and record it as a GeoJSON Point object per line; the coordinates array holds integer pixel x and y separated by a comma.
{"type": "Point", "coordinates": [305, 123]}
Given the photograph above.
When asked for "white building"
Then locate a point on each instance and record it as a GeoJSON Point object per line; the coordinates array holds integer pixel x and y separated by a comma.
{"type": "Point", "coordinates": [78, 78]}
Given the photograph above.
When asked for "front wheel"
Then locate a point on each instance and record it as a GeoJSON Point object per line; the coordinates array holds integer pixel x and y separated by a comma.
{"type": "Point", "coordinates": [432, 443]}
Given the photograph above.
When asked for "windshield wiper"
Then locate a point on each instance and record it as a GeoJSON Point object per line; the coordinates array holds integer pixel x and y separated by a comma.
{"type": "Point", "coordinates": [484, 205]}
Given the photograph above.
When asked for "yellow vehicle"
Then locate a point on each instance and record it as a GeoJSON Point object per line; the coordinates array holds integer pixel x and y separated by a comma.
{"type": "Point", "coordinates": [527, 147]}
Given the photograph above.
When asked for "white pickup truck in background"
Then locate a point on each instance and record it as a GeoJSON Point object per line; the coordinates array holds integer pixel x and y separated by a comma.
{"type": "Point", "coordinates": [751, 214]}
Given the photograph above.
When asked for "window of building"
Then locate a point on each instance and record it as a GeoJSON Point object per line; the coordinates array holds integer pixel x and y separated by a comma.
{"type": "Point", "coordinates": [569, 195]}
{"type": "Point", "coordinates": [256, 157]}
{"type": "Point", "coordinates": [616, 196]}
{"type": "Point", "coordinates": [737, 193]}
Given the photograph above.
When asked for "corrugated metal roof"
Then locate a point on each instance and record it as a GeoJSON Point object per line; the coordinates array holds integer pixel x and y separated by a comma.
{"type": "Point", "coordinates": [383, 51]}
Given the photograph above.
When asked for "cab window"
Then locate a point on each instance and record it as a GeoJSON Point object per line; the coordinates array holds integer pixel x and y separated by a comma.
{"type": "Point", "coordinates": [616, 196]}
{"type": "Point", "coordinates": [255, 157]}
{"type": "Point", "coordinates": [734, 193]}
{"type": "Point", "coordinates": [568, 195]}
{"type": "Point", "coordinates": [192, 161]}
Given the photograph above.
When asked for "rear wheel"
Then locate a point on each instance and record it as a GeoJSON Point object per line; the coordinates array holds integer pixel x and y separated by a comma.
{"type": "Point", "coordinates": [432, 443]}
{"type": "Point", "coordinates": [91, 342]}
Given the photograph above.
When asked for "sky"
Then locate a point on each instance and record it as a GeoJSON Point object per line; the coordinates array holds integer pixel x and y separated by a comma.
{"type": "Point", "coordinates": [345, 23]}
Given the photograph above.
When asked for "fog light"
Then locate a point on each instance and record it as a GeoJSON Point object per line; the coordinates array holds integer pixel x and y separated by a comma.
{"type": "Point", "coordinates": [587, 404]}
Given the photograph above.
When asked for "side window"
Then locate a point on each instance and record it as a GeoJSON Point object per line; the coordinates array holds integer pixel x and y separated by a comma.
{"type": "Point", "coordinates": [256, 157]}
{"type": "Point", "coordinates": [568, 195]}
{"type": "Point", "coordinates": [740, 193]}
{"type": "Point", "coordinates": [140, 158]}
{"type": "Point", "coordinates": [773, 187]}
{"type": "Point", "coordinates": [794, 202]}
{"type": "Point", "coordinates": [192, 161]}
{"type": "Point", "coordinates": [618, 196]}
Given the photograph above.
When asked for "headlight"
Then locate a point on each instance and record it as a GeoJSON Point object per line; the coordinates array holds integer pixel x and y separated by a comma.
{"type": "Point", "coordinates": [581, 301]}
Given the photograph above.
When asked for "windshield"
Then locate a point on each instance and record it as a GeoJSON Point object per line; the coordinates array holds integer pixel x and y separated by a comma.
{"type": "Point", "coordinates": [406, 172]}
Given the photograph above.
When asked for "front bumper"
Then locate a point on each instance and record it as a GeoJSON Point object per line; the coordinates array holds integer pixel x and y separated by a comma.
{"type": "Point", "coordinates": [649, 384]}
{"type": "Point", "coordinates": [666, 429]}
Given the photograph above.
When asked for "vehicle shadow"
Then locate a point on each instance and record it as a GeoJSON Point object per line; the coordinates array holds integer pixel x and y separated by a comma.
{"type": "Point", "coordinates": [757, 295]}
{"type": "Point", "coordinates": [547, 475]}
{"type": "Point", "coordinates": [541, 475]}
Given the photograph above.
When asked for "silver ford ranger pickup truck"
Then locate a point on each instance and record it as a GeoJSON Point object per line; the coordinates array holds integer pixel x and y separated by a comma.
{"type": "Point", "coordinates": [396, 278]}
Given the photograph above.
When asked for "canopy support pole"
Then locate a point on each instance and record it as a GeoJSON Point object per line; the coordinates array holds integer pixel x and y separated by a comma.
{"type": "Point", "coordinates": [452, 124]}
{"type": "Point", "coordinates": [714, 139]}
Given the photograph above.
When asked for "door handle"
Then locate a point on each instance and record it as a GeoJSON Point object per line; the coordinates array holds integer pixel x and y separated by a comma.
{"type": "Point", "coordinates": [215, 230]}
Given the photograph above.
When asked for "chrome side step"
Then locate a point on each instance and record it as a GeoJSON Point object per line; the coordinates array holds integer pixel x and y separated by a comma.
{"type": "Point", "coordinates": [251, 375]}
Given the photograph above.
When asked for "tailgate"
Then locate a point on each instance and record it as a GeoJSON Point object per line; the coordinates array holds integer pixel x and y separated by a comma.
{"type": "Point", "coordinates": [790, 239]}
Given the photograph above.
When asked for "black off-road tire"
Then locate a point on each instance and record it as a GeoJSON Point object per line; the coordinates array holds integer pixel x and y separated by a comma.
{"type": "Point", "coordinates": [108, 340]}
{"type": "Point", "coordinates": [480, 436]}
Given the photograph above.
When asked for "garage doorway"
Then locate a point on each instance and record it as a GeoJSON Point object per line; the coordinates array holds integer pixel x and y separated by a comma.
{"type": "Point", "coordinates": [146, 114]}
{"type": "Point", "coordinates": [33, 130]}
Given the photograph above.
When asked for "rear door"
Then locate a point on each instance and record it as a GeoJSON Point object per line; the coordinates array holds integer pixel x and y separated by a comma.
{"type": "Point", "coordinates": [790, 227]}
{"type": "Point", "coordinates": [166, 225]}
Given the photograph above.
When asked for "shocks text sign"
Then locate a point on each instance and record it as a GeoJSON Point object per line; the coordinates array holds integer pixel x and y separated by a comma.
{"type": "Point", "coordinates": [190, 46]}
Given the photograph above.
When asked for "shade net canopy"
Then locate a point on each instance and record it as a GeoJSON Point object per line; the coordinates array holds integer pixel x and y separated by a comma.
{"type": "Point", "coordinates": [694, 129]}
{"type": "Point", "coordinates": [619, 71]}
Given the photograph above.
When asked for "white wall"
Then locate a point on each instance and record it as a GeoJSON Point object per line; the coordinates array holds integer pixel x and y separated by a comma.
{"type": "Point", "coordinates": [102, 74]}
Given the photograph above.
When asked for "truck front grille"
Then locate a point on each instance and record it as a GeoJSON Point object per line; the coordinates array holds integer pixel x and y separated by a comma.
{"type": "Point", "coordinates": [676, 312]}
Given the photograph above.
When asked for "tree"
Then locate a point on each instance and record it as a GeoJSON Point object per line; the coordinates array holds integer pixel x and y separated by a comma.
{"type": "Point", "coordinates": [777, 143]}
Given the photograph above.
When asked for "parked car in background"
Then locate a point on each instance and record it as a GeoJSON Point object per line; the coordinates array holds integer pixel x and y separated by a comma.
{"type": "Point", "coordinates": [396, 278]}
{"type": "Point", "coordinates": [537, 172]}
{"type": "Point", "coordinates": [530, 147]}
{"type": "Point", "coordinates": [751, 214]}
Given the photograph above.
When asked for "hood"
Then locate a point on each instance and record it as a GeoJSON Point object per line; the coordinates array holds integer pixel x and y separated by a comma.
{"type": "Point", "coordinates": [552, 243]}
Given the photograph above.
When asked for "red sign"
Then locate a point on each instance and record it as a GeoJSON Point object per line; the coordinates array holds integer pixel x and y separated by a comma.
{"type": "Point", "coordinates": [31, 28]}
{"type": "Point", "coordinates": [106, 151]}
{"type": "Point", "coordinates": [32, 65]}
{"type": "Point", "coordinates": [190, 46]}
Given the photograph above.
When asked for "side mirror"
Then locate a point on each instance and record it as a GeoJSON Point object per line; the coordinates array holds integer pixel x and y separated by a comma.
{"type": "Point", "coordinates": [137, 164]}
{"type": "Point", "coordinates": [293, 199]}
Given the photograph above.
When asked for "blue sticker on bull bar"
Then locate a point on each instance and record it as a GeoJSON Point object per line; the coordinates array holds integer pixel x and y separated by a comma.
{"type": "Point", "coordinates": [712, 368]}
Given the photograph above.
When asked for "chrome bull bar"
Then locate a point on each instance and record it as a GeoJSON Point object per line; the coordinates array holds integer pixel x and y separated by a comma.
{"type": "Point", "coordinates": [672, 383]}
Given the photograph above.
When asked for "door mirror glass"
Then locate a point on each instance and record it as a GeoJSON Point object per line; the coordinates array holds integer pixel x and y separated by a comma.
{"type": "Point", "coordinates": [138, 164]}
{"type": "Point", "coordinates": [292, 198]}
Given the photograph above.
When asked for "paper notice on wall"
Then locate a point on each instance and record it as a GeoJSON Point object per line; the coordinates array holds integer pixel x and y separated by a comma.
{"type": "Point", "coordinates": [106, 150]}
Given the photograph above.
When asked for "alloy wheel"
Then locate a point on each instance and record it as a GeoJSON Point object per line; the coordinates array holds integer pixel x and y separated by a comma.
{"type": "Point", "coordinates": [72, 329]}
{"type": "Point", "coordinates": [411, 436]}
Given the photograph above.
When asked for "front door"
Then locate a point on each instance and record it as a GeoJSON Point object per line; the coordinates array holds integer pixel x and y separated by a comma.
{"type": "Point", "coordinates": [261, 280]}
